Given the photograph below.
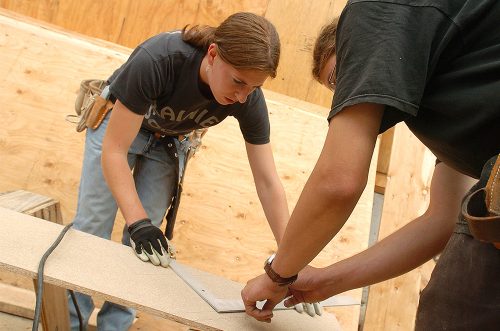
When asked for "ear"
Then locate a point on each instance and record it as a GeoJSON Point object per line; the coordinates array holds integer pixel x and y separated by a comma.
{"type": "Point", "coordinates": [212, 53]}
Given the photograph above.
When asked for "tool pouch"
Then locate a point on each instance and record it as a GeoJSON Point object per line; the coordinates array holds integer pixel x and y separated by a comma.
{"type": "Point", "coordinates": [481, 208]}
{"type": "Point", "coordinates": [99, 110]}
{"type": "Point", "coordinates": [85, 104]}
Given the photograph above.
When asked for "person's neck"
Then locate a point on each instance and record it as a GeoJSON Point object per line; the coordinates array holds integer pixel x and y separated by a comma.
{"type": "Point", "coordinates": [203, 70]}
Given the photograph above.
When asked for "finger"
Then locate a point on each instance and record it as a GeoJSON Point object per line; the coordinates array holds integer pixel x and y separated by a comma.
{"type": "Point", "coordinates": [146, 246]}
{"type": "Point", "coordinates": [291, 301]}
{"type": "Point", "coordinates": [137, 248]}
{"type": "Point", "coordinates": [309, 309]}
{"type": "Point", "coordinates": [259, 315]}
{"type": "Point", "coordinates": [164, 242]}
{"type": "Point", "coordinates": [157, 247]}
{"type": "Point", "coordinates": [299, 308]}
{"type": "Point", "coordinates": [139, 254]}
{"type": "Point", "coordinates": [252, 310]}
{"type": "Point", "coordinates": [269, 306]}
{"type": "Point", "coordinates": [164, 258]}
{"type": "Point", "coordinates": [152, 257]}
{"type": "Point", "coordinates": [318, 308]}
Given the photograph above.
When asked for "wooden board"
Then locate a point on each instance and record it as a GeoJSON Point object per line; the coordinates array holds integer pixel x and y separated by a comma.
{"type": "Point", "coordinates": [221, 227]}
{"type": "Point", "coordinates": [78, 263]}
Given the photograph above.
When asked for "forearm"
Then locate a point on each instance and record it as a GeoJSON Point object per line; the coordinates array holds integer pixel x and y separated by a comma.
{"type": "Point", "coordinates": [121, 183]}
{"type": "Point", "coordinates": [320, 213]}
{"type": "Point", "coordinates": [410, 246]}
{"type": "Point", "coordinates": [333, 189]}
{"type": "Point", "coordinates": [274, 204]}
{"type": "Point", "coordinates": [121, 131]}
{"type": "Point", "coordinates": [402, 251]}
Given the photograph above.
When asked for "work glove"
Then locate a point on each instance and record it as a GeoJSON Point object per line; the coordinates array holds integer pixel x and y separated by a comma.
{"type": "Point", "coordinates": [310, 308]}
{"type": "Point", "coordinates": [149, 243]}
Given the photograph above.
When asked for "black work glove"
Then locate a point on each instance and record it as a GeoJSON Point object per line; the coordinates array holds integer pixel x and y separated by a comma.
{"type": "Point", "coordinates": [149, 243]}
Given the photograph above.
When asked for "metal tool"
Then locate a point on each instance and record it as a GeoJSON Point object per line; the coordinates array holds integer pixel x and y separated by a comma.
{"type": "Point", "coordinates": [236, 305]}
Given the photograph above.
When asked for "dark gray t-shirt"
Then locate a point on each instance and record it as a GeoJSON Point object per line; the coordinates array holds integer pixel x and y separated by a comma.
{"type": "Point", "coordinates": [434, 64]}
{"type": "Point", "coordinates": [160, 80]}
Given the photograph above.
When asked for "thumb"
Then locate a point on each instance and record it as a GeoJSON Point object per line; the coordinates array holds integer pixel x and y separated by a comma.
{"type": "Point", "coordinates": [291, 301]}
{"type": "Point", "coordinates": [270, 304]}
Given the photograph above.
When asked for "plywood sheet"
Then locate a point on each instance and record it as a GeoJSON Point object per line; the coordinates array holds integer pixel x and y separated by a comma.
{"type": "Point", "coordinates": [299, 23]}
{"type": "Point", "coordinates": [108, 270]}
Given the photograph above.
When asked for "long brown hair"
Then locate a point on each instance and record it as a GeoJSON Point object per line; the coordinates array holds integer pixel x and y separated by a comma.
{"type": "Point", "coordinates": [324, 47]}
{"type": "Point", "coordinates": [244, 40]}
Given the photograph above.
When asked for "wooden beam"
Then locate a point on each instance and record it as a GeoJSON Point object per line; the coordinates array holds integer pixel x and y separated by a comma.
{"type": "Point", "coordinates": [79, 263]}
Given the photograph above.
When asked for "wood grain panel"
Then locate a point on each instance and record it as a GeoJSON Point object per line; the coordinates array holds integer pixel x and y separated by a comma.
{"type": "Point", "coordinates": [298, 23]}
{"type": "Point", "coordinates": [129, 22]}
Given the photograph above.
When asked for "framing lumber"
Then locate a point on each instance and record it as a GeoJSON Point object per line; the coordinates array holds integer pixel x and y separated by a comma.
{"type": "Point", "coordinates": [78, 263]}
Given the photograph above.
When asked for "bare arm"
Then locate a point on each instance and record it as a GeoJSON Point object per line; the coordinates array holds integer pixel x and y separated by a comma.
{"type": "Point", "coordinates": [269, 188]}
{"type": "Point", "coordinates": [419, 240]}
{"type": "Point", "coordinates": [402, 251]}
{"type": "Point", "coordinates": [333, 188]}
{"type": "Point", "coordinates": [327, 200]}
{"type": "Point", "coordinates": [122, 129]}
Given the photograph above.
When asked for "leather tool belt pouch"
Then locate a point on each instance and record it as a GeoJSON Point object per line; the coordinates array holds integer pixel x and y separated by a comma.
{"type": "Point", "coordinates": [481, 209]}
{"type": "Point", "coordinates": [90, 107]}
{"type": "Point", "coordinates": [99, 110]}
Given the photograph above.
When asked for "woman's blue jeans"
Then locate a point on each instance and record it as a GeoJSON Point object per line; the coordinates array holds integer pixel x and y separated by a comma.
{"type": "Point", "coordinates": [155, 178]}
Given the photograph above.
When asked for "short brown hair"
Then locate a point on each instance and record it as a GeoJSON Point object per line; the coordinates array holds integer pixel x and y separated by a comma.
{"type": "Point", "coordinates": [244, 40]}
{"type": "Point", "coordinates": [324, 47]}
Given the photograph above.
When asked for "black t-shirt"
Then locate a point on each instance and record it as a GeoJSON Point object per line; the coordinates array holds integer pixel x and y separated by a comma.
{"type": "Point", "coordinates": [434, 64]}
{"type": "Point", "coordinates": [160, 80]}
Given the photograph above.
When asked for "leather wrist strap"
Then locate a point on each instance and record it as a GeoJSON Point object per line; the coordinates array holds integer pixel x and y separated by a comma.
{"type": "Point", "coordinates": [275, 277]}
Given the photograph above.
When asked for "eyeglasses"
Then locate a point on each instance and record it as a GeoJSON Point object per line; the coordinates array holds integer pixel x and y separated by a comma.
{"type": "Point", "coordinates": [332, 79]}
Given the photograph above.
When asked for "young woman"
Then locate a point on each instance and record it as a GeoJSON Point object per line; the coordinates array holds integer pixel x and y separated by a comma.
{"type": "Point", "coordinates": [171, 85]}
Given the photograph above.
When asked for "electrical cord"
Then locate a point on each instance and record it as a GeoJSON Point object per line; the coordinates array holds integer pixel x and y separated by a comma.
{"type": "Point", "coordinates": [38, 305]}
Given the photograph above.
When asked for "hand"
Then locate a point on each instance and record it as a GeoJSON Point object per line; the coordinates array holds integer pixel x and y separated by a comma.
{"type": "Point", "coordinates": [309, 287]}
{"type": "Point", "coordinates": [259, 289]}
{"type": "Point", "coordinates": [149, 243]}
{"type": "Point", "coordinates": [311, 309]}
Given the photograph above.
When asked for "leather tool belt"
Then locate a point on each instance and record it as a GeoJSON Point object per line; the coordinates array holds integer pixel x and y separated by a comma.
{"type": "Point", "coordinates": [92, 104]}
{"type": "Point", "coordinates": [194, 144]}
{"type": "Point", "coordinates": [481, 209]}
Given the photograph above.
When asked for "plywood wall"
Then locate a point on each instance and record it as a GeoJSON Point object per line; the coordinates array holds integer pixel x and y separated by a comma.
{"type": "Point", "coordinates": [129, 22]}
